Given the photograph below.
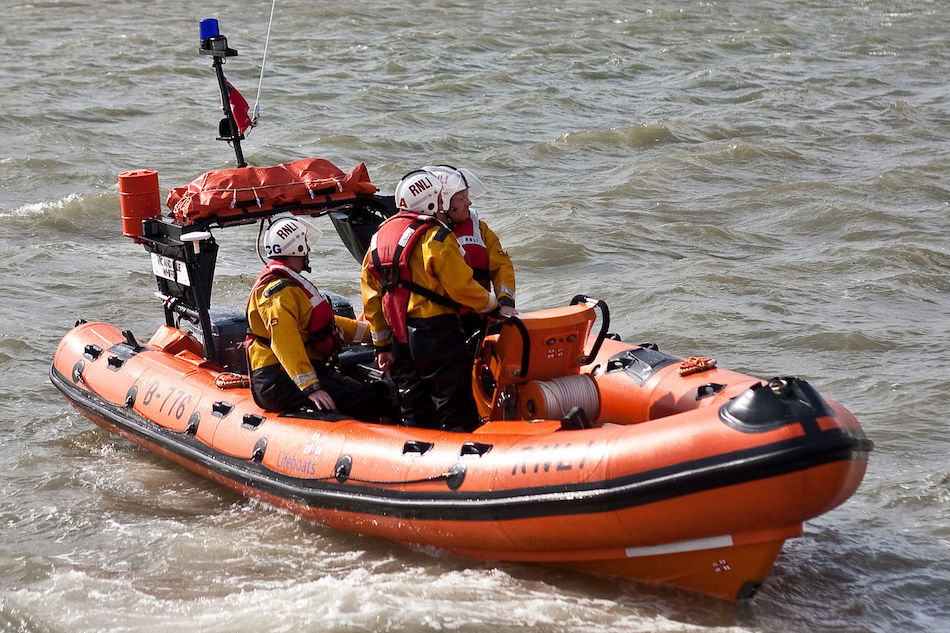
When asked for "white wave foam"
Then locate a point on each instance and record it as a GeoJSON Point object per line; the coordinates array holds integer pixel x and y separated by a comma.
{"type": "Point", "coordinates": [42, 208]}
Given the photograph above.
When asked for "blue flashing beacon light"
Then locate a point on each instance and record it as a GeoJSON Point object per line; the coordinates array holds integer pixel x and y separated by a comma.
{"type": "Point", "coordinates": [209, 28]}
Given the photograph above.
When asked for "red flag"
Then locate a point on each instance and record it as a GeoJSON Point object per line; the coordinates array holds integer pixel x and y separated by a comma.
{"type": "Point", "coordinates": [239, 109]}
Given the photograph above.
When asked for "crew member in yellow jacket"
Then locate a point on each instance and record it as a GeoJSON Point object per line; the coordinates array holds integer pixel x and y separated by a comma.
{"type": "Point", "coordinates": [414, 283]}
{"type": "Point", "coordinates": [295, 337]}
{"type": "Point", "coordinates": [490, 263]}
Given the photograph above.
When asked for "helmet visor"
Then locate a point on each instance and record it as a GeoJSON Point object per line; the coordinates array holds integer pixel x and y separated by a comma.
{"type": "Point", "coordinates": [455, 180]}
{"type": "Point", "coordinates": [313, 234]}
{"type": "Point", "coordinates": [471, 182]}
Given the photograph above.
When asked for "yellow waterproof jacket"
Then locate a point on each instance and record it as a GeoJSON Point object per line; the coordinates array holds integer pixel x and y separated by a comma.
{"type": "Point", "coordinates": [278, 315]}
{"type": "Point", "coordinates": [437, 264]}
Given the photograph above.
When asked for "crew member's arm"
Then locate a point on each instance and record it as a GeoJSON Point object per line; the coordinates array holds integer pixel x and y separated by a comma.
{"type": "Point", "coordinates": [380, 332]}
{"type": "Point", "coordinates": [500, 270]}
{"type": "Point", "coordinates": [282, 314]}
{"type": "Point", "coordinates": [354, 331]}
{"type": "Point", "coordinates": [443, 259]}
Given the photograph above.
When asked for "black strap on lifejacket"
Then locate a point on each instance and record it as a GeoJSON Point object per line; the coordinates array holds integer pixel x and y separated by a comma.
{"type": "Point", "coordinates": [315, 337]}
{"type": "Point", "coordinates": [271, 291]}
{"type": "Point", "coordinates": [391, 279]}
{"type": "Point", "coordinates": [431, 295]}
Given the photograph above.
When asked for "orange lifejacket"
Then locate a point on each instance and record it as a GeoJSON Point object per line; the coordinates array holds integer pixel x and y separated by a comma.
{"type": "Point", "coordinates": [390, 250]}
{"type": "Point", "coordinates": [324, 337]}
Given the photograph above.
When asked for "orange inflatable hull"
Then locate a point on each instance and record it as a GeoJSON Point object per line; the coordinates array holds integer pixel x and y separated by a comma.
{"type": "Point", "coordinates": [667, 475]}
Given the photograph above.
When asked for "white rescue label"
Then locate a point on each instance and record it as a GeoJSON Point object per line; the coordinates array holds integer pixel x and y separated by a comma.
{"type": "Point", "coordinates": [170, 269]}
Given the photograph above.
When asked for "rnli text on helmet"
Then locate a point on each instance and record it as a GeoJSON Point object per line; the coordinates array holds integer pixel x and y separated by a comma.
{"type": "Point", "coordinates": [286, 230]}
{"type": "Point", "coordinates": [419, 186]}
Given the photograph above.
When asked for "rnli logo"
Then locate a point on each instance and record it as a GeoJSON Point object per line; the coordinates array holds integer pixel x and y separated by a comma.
{"type": "Point", "coordinates": [420, 186]}
{"type": "Point", "coordinates": [313, 446]}
{"type": "Point", "coordinates": [543, 458]}
{"type": "Point", "coordinates": [417, 189]}
{"type": "Point", "coordinates": [288, 229]}
{"type": "Point", "coordinates": [721, 565]}
{"type": "Point", "coordinates": [283, 233]}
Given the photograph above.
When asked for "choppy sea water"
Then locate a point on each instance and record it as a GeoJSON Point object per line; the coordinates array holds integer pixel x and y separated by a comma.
{"type": "Point", "coordinates": [762, 182]}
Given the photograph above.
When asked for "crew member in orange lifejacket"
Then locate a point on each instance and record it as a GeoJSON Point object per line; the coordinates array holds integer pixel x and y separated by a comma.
{"type": "Point", "coordinates": [295, 337]}
{"type": "Point", "coordinates": [414, 282]}
{"type": "Point", "coordinates": [491, 265]}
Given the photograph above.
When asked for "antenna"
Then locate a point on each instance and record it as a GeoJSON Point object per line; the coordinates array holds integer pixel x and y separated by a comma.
{"type": "Point", "coordinates": [216, 45]}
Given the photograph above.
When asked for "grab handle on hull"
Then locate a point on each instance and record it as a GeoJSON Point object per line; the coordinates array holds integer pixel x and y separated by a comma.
{"type": "Point", "coordinates": [525, 344]}
{"type": "Point", "coordinates": [604, 326]}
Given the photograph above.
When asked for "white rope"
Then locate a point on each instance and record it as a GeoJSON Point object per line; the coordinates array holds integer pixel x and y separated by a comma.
{"type": "Point", "coordinates": [257, 101]}
{"type": "Point", "coordinates": [563, 394]}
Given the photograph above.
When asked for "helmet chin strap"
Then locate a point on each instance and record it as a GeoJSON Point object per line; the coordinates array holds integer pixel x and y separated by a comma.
{"type": "Point", "coordinates": [306, 263]}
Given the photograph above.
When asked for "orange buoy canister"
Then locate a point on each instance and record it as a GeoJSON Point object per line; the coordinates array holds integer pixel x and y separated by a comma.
{"type": "Point", "coordinates": [139, 199]}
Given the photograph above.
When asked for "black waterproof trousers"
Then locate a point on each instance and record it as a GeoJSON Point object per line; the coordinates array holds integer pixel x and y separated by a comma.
{"type": "Point", "coordinates": [435, 381]}
{"type": "Point", "coordinates": [273, 390]}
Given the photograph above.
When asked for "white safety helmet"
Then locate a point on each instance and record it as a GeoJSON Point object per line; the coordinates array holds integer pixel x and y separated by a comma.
{"type": "Point", "coordinates": [290, 237]}
{"type": "Point", "coordinates": [454, 180]}
{"type": "Point", "coordinates": [418, 192]}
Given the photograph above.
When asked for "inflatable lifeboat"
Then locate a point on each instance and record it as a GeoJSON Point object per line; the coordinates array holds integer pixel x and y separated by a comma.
{"type": "Point", "coordinates": [595, 455]}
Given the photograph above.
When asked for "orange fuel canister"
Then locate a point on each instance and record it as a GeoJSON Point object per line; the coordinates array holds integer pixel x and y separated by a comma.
{"type": "Point", "coordinates": [139, 199]}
